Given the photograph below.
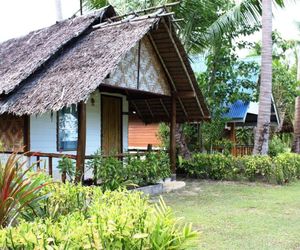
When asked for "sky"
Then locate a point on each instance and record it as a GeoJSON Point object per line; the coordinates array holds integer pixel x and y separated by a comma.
{"type": "Point", "coordinates": [19, 17]}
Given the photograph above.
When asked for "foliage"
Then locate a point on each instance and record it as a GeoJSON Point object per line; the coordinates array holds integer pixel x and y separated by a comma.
{"type": "Point", "coordinates": [212, 132]}
{"type": "Point", "coordinates": [244, 136]}
{"type": "Point", "coordinates": [136, 171]}
{"type": "Point", "coordinates": [110, 220]}
{"type": "Point", "coordinates": [18, 189]}
{"type": "Point", "coordinates": [281, 169]}
{"type": "Point", "coordinates": [257, 167]}
{"type": "Point", "coordinates": [277, 146]}
{"type": "Point", "coordinates": [67, 165]}
{"type": "Point", "coordinates": [287, 167]}
{"type": "Point", "coordinates": [227, 78]}
{"type": "Point", "coordinates": [164, 134]}
{"type": "Point", "coordinates": [204, 21]}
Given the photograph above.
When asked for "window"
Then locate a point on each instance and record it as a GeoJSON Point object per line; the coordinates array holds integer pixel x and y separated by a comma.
{"type": "Point", "coordinates": [67, 128]}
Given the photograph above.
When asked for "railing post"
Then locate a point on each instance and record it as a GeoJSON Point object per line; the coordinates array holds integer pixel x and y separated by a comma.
{"type": "Point", "coordinates": [38, 165]}
{"type": "Point", "coordinates": [50, 167]}
{"type": "Point", "coordinates": [81, 144]}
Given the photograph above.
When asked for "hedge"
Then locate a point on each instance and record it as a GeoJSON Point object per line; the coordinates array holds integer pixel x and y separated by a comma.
{"type": "Point", "coordinates": [280, 169]}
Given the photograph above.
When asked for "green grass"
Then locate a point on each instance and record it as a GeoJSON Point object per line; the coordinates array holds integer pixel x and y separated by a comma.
{"type": "Point", "coordinates": [233, 215]}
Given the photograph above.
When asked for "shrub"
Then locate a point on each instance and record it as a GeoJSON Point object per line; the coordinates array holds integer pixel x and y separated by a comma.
{"type": "Point", "coordinates": [18, 189]}
{"type": "Point", "coordinates": [111, 220]}
{"type": "Point", "coordinates": [280, 169]}
{"type": "Point", "coordinates": [286, 167]}
{"type": "Point", "coordinates": [211, 166]}
{"type": "Point", "coordinates": [135, 170]}
{"type": "Point", "coordinates": [277, 146]}
{"type": "Point", "coordinates": [256, 167]}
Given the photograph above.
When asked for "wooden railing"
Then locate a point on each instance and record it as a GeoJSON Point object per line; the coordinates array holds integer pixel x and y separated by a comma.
{"type": "Point", "coordinates": [52, 156]}
{"type": "Point", "coordinates": [238, 150]}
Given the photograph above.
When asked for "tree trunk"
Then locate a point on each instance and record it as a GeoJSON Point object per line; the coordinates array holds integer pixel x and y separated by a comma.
{"type": "Point", "coordinates": [181, 142]}
{"type": "Point", "coordinates": [264, 111]}
{"type": "Point", "coordinates": [296, 140]}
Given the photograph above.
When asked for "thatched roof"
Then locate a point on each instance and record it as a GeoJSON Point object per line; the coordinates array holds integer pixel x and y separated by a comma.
{"type": "Point", "coordinates": [63, 64]}
{"type": "Point", "coordinates": [20, 57]}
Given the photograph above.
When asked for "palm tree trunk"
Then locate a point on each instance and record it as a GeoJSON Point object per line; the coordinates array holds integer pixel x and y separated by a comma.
{"type": "Point", "coordinates": [296, 140]}
{"type": "Point", "coordinates": [264, 111]}
{"type": "Point", "coordinates": [181, 142]}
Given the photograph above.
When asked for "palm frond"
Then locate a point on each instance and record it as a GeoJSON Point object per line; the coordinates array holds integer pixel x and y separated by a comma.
{"type": "Point", "coordinates": [247, 12]}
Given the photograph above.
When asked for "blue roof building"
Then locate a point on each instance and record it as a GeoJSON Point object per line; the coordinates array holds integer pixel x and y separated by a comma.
{"type": "Point", "coordinates": [240, 112]}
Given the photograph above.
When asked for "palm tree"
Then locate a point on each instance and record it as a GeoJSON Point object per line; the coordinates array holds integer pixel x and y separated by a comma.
{"type": "Point", "coordinates": [296, 139]}
{"type": "Point", "coordinates": [261, 143]}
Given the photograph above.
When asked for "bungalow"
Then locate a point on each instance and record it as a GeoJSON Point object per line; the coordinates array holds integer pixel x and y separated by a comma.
{"type": "Point", "coordinates": [69, 88]}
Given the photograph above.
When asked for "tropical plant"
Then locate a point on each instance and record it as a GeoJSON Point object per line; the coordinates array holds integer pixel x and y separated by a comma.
{"type": "Point", "coordinates": [66, 166]}
{"type": "Point", "coordinates": [110, 220]}
{"type": "Point", "coordinates": [113, 174]}
{"type": "Point", "coordinates": [18, 189]}
{"type": "Point", "coordinates": [296, 140]}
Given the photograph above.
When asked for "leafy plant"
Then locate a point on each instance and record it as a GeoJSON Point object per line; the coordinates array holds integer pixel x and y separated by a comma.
{"type": "Point", "coordinates": [281, 169]}
{"type": "Point", "coordinates": [18, 189]}
{"type": "Point", "coordinates": [109, 220]}
{"type": "Point", "coordinates": [277, 146]}
{"type": "Point", "coordinates": [133, 171]}
{"type": "Point", "coordinates": [66, 166]}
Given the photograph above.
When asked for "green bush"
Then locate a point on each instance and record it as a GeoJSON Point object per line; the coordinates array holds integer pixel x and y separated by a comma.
{"type": "Point", "coordinates": [277, 146]}
{"type": "Point", "coordinates": [109, 220]}
{"type": "Point", "coordinates": [211, 166]}
{"type": "Point", "coordinates": [256, 167]}
{"type": "Point", "coordinates": [281, 169]}
{"type": "Point", "coordinates": [286, 167]}
{"type": "Point", "coordinates": [133, 171]}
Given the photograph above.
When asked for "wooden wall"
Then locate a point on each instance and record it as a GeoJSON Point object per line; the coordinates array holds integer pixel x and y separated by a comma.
{"type": "Point", "coordinates": [140, 135]}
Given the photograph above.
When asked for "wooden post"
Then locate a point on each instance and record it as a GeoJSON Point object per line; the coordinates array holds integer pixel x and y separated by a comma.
{"type": "Point", "coordinates": [38, 163]}
{"type": "Point", "coordinates": [81, 142]}
{"type": "Point", "coordinates": [233, 138]}
{"type": "Point", "coordinates": [50, 167]}
{"type": "Point", "coordinates": [172, 137]}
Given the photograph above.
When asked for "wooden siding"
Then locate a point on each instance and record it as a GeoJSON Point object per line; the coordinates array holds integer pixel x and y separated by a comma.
{"type": "Point", "coordinates": [140, 134]}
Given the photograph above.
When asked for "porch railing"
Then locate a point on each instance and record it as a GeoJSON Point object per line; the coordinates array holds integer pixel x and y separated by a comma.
{"type": "Point", "coordinates": [52, 156]}
{"type": "Point", "coordinates": [238, 150]}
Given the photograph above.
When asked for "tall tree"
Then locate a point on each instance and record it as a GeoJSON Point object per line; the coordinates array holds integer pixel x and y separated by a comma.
{"type": "Point", "coordinates": [261, 143]}
{"type": "Point", "coordinates": [296, 139]}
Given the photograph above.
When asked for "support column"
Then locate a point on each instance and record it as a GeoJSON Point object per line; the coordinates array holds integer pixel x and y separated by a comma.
{"type": "Point", "coordinates": [233, 138]}
{"type": "Point", "coordinates": [81, 144]}
{"type": "Point", "coordinates": [172, 137]}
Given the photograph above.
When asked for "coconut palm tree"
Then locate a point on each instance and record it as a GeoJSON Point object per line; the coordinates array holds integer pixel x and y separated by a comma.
{"type": "Point", "coordinates": [265, 100]}
{"type": "Point", "coordinates": [296, 139]}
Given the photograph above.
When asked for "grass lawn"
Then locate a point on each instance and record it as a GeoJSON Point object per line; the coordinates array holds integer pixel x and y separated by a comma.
{"type": "Point", "coordinates": [233, 215]}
